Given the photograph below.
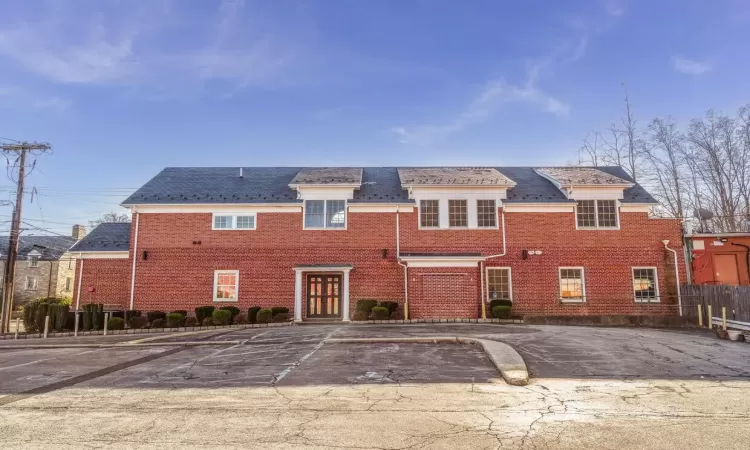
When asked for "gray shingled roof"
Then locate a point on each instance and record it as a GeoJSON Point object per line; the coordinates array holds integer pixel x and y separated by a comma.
{"type": "Point", "coordinates": [219, 185]}
{"type": "Point", "coordinates": [106, 237]}
{"type": "Point", "coordinates": [449, 176]}
{"type": "Point", "coordinates": [50, 247]}
{"type": "Point", "coordinates": [328, 175]}
{"type": "Point", "coordinates": [575, 176]}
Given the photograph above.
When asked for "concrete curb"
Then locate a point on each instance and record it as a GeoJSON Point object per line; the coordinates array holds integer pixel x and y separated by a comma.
{"type": "Point", "coordinates": [506, 359]}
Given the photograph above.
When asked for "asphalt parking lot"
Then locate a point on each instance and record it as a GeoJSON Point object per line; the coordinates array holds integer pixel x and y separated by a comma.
{"type": "Point", "coordinates": [289, 387]}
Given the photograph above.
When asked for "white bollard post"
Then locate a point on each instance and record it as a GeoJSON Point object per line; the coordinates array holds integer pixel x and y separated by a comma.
{"type": "Point", "coordinates": [106, 320]}
{"type": "Point", "coordinates": [710, 317]}
{"type": "Point", "coordinates": [724, 318]}
{"type": "Point", "coordinates": [46, 326]}
{"type": "Point", "coordinates": [18, 325]}
{"type": "Point", "coordinates": [75, 326]}
{"type": "Point", "coordinates": [700, 316]}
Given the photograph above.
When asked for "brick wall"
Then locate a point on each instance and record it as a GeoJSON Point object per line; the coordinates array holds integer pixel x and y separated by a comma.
{"type": "Point", "coordinates": [178, 273]}
{"type": "Point", "coordinates": [104, 281]}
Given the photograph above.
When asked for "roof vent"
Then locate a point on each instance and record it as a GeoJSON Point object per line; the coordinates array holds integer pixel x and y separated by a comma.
{"type": "Point", "coordinates": [240, 172]}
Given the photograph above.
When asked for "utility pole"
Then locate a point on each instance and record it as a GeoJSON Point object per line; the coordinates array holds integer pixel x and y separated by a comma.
{"type": "Point", "coordinates": [21, 149]}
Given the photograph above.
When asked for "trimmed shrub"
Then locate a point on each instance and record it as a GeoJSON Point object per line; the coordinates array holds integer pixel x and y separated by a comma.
{"type": "Point", "coordinates": [252, 314]}
{"type": "Point", "coordinates": [221, 316]}
{"type": "Point", "coordinates": [361, 315]}
{"type": "Point", "coordinates": [158, 323]}
{"type": "Point", "coordinates": [397, 315]}
{"type": "Point", "coordinates": [208, 322]}
{"type": "Point", "coordinates": [180, 311]}
{"type": "Point", "coordinates": [380, 313]}
{"type": "Point", "coordinates": [58, 316]}
{"type": "Point", "coordinates": [202, 312]}
{"type": "Point", "coordinates": [137, 322]}
{"type": "Point", "coordinates": [29, 317]}
{"type": "Point", "coordinates": [279, 310]}
{"type": "Point", "coordinates": [155, 315]}
{"type": "Point", "coordinates": [39, 317]}
{"type": "Point", "coordinates": [233, 311]}
{"type": "Point", "coordinates": [175, 319]}
{"type": "Point", "coordinates": [366, 305]}
{"type": "Point", "coordinates": [501, 302]}
{"type": "Point", "coordinates": [191, 321]}
{"type": "Point", "coordinates": [392, 306]}
{"type": "Point", "coordinates": [264, 316]}
{"type": "Point", "coordinates": [501, 312]}
{"type": "Point", "coordinates": [116, 323]}
{"type": "Point", "coordinates": [281, 317]}
{"type": "Point", "coordinates": [240, 319]}
{"type": "Point", "coordinates": [130, 313]}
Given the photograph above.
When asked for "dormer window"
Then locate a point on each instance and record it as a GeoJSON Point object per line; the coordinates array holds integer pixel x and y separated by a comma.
{"type": "Point", "coordinates": [596, 214]}
{"type": "Point", "coordinates": [325, 214]}
{"type": "Point", "coordinates": [33, 261]}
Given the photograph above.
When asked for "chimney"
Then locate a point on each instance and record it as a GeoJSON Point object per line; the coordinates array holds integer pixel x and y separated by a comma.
{"type": "Point", "coordinates": [79, 231]}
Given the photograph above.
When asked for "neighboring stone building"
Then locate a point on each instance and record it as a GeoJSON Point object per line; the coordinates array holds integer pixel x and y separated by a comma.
{"type": "Point", "coordinates": [44, 267]}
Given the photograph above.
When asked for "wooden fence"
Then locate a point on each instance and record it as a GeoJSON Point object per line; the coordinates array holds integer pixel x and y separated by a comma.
{"type": "Point", "coordinates": [735, 298]}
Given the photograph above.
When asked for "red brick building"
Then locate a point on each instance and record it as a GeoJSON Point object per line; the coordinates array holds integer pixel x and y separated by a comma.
{"type": "Point", "coordinates": [720, 258]}
{"type": "Point", "coordinates": [442, 242]}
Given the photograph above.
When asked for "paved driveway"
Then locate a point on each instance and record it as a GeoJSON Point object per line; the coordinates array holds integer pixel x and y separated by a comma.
{"type": "Point", "coordinates": [593, 388]}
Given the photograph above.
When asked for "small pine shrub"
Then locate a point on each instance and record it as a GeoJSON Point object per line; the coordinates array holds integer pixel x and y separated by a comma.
{"type": "Point", "coordinates": [154, 315]}
{"type": "Point", "coordinates": [181, 311]}
{"type": "Point", "coordinates": [116, 323]}
{"type": "Point", "coordinates": [191, 322]}
{"type": "Point", "coordinates": [158, 323]}
{"type": "Point", "coordinates": [252, 314]}
{"type": "Point", "coordinates": [137, 322]}
{"type": "Point", "coordinates": [175, 320]}
{"type": "Point", "coordinates": [202, 312]}
{"type": "Point", "coordinates": [380, 313]}
{"type": "Point", "coordinates": [392, 306]}
{"type": "Point", "coordinates": [279, 310]}
{"type": "Point", "coordinates": [221, 316]}
{"type": "Point", "coordinates": [264, 316]}
{"type": "Point", "coordinates": [501, 312]}
{"type": "Point", "coordinates": [281, 317]}
{"type": "Point", "coordinates": [233, 311]}
{"type": "Point", "coordinates": [240, 319]}
{"type": "Point", "coordinates": [366, 305]}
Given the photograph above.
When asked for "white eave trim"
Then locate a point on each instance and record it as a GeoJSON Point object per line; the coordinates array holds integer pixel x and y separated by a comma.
{"type": "Point", "coordinates": [442, 261]}
{"type": "Point", "coordinates": [124, 254]}
{"type": "Point", "coordinates": [636, 207]}
{"type": "Point", "coordinates": [322, 268]}
{"type": "Point", "coordinates": [381, 207]}
{"type": "Point", "coordinates": [237, 208]}
{"type": "Point", "coordinates": [539, 207]}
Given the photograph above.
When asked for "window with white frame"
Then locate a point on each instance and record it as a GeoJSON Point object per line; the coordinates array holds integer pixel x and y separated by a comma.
{"type": "Point", "coordinates": [429, 213]}
{"type": "Point", "coordinates": [68, 283]}
{"type": "Point", "coordinates": [226, 285]}
{"type": "Point", "coordinates": [31, 283]}
{"type": "Point", "coordinates": [34, 261]}
{"type": "Point", "coordinates": [458, 215]}
{"type": "Point", "coordinates": [572, 284]}
{"type": "Point", "coordinates": [645, 284]}
{"type": "Point", "coordinates": [325, 214]}
{"type": "Point", "coordinates": [234, 222]}
{"type": "Point", "coordinates": [486, 214]}
{"type": "Point", "coordinates": [596, 214]}
{"type": "Point", "coordinates": [498, 283]}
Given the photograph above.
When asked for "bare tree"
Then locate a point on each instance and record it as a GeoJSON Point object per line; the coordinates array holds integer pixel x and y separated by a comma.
{"type": "Point", "coordinates": [666, 158]}
{"type": "Point", "coordinates": [590, 152]}
{"type": "Point", "coordinates": [110, 217]}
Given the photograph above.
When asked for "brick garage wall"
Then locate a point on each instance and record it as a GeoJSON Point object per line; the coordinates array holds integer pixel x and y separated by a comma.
{"type": "Point", "coordinates": [444, 293]}
{"type": "Point", "coordinates": [178, 273]}
{"type": "Point", "coordinates": [109, 279]}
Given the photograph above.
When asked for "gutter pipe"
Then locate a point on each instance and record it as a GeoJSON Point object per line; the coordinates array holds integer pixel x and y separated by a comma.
{"type": "Point", "coordinates": [676, 274]}
{"type": "Point", "coordinates": [405, 266]}
{"type": "Point", "coordinates": [481, 264]}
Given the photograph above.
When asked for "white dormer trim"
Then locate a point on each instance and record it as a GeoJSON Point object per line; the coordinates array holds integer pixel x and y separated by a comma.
{"type": "Point", "coordinates": [588, 191]}
{"type": "Point", "coordinates": [317, 192]}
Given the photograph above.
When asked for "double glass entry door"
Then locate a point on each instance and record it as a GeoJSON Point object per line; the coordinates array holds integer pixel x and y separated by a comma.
{"type": "Point", "coordinates": [323, 296]}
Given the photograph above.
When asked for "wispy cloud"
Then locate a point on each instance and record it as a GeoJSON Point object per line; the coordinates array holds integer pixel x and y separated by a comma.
{"type": "Point", "coordinates": [691, 66]}
{"type": "Point", "coordinates": [143, 46]}
{"type": "Point", "coordinates": [20, 98]}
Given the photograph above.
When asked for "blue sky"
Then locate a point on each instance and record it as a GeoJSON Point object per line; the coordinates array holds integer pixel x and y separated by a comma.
{"type": "Point", "coordinates": [124, 88]}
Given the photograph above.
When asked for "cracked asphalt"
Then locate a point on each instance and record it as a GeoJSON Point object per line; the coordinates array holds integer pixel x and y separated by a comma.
{"type": "Point", "coordinates": [287, 387]}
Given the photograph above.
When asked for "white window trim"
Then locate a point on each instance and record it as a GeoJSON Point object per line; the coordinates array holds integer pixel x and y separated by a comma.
{"type": "Point", "coordinates": [236, 274]}
{"type": "Point", "coordinates": [36, 283]}
{"type": "Point", "coordinates": [497, 219]}
{"type": "Point", "coordinates": [510, 281]}
{"type": "Point", "coordinates": [31, 261]}
{"type": "Point", "coordinates": [448, 215]}
{"type": "Point", "coordinates": [596, 215]}
{"type": "Point", "coordinates": [583, 284]}
{"type": "Point", "coordinates": [234, 217]}
{"type": "Point", "coordinates": [656, 299]}
{"type": "Point", "coordinates": [419, 213]}
{"type": "Point", "coordinates": [325, 214]}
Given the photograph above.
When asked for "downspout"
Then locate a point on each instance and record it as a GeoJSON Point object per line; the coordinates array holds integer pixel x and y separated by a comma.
{"type": "Point", "coordinates": [405, 266]}
{"type": "Point", "coordinates": [747, 256]}
{"type": "Point", "coordinates": [80, 278]}
{"type": "Point", "coordinates": [481, 265]}
{"type": "Point", "coordinates": [676, 274]}
{"type": "Point", "coordinates": [49, 281]}
{"type": "Point", "coordinates": [135, 257]}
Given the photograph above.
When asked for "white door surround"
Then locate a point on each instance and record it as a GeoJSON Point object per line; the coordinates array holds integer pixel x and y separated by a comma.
{"type": "Point", "coordinates": [299, 271]}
